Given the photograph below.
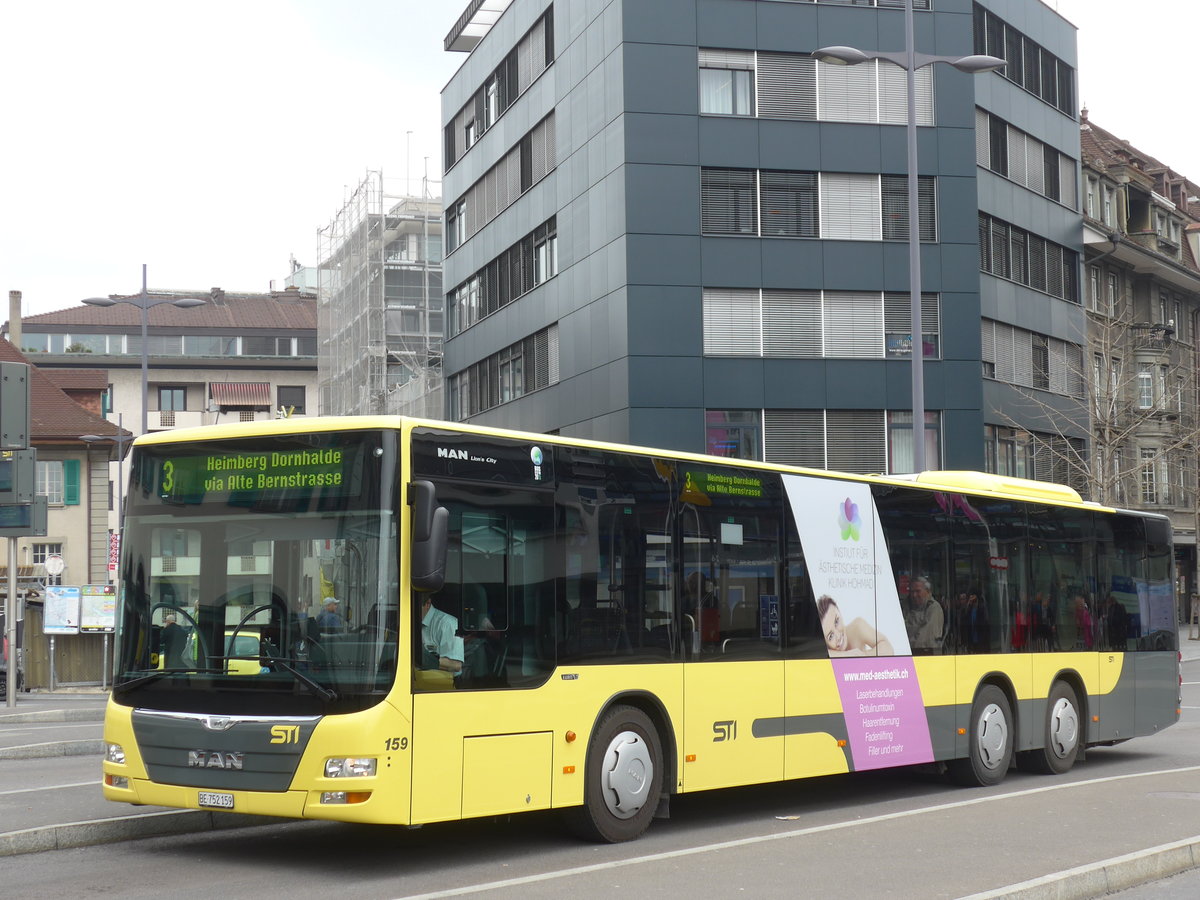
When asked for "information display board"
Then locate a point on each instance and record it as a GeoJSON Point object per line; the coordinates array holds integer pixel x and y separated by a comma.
{"type": "Point", "coordinates": [61, 613]}
{"type": "Point", "coordinates": [97, 608]}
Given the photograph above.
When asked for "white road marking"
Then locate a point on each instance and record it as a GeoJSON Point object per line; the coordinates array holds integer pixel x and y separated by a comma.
{"type": "Point", "coordinates": [51, 787]}
{"type": "Point", "coordinates": [761, 839]}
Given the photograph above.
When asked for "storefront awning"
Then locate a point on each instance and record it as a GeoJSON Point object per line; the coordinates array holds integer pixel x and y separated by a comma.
{"type": "Point", "coordinates": [241, 393]}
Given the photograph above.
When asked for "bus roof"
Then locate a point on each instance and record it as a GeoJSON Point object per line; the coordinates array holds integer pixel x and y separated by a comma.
{"type": "Point", "coordinates": [958, 481]}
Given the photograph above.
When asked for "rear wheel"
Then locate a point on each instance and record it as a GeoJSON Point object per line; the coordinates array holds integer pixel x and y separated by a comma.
{"type": "Point", "coordinates": [1061, 740]}
{"type": "Point", "coordinates": [990, 741]}
{"type": "Point", "coordinates": [624, 773]}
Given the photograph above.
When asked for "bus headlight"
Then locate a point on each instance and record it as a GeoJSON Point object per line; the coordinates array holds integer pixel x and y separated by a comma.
{"type": "Point", "coordinates": [114, 753]}
{"type": "Point", "coordinates": [350, 767]}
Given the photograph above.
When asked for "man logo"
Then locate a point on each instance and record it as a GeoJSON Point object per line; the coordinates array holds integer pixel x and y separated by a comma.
{"type": "Point", "coordinates": [216, 759]}
{"type": "Point", "coordinates": [447, 453]}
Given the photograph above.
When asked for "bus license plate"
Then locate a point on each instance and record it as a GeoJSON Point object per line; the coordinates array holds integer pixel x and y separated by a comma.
{"type": "Point", "coordinates": [215, 801]}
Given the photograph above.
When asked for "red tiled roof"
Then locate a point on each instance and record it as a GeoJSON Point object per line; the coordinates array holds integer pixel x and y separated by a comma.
{"type": "Point", "coordinates": [79, 379]}
{"type": "Point", "coordinates": [52, 414]}
{"type": "Point", "coordinates": [281, 310]}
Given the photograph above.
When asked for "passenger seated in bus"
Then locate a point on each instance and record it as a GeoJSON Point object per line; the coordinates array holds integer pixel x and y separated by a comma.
{"type": "Point", "coordinates": [924, 618]}
{"type": "Point", "coordinates": [329, 619]}
{"type": "Point", "coordinates": [859, 638]}
{"type": "Point", "coordinates": [441, 645]}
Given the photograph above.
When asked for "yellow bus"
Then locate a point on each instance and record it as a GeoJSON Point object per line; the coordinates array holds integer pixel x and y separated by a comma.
{"type": "Point", "coordinates": [527, 621]}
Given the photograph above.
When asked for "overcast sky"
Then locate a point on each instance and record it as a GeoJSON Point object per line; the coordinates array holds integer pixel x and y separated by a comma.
{"type": "Point", "coordinates": [211, 141]}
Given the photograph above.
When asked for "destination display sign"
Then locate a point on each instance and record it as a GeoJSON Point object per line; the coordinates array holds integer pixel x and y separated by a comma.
{"type": "Point", "coordinates": [226, 474]}
{"type": "Point", "coordinates": [704, 484]}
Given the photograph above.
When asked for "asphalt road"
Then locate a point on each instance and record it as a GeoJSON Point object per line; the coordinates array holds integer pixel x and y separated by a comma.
{"type": "Point", "coordinates": [892, 834]}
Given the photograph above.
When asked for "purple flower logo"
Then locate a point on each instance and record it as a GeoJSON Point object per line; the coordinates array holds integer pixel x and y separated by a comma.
{"type": "Point", "coordinates": [849, 521]}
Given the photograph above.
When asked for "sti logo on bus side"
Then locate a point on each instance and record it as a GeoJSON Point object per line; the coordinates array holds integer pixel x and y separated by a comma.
{"type": "Point", "coordinates": [215, 759]}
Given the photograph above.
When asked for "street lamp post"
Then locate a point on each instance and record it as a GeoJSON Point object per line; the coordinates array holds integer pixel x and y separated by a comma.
{"type": "Point", "coordinates": [910, 60]}
{"type": "Point", "coordinates": [143, 302]}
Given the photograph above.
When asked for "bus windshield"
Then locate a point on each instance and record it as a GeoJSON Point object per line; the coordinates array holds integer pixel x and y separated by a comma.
{"type": "Point", "coordinates": [260, 573]}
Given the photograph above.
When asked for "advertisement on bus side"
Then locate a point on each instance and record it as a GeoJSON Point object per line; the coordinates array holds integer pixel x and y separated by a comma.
{"type": "Point", "coordinates": [861, 620]}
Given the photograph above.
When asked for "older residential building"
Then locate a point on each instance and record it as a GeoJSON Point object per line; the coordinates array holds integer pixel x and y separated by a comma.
{"type": "Point", "coordinates": [73, 476]}
{"type": "Point", "coordinates": [667, 224]}
{"type": "Point", "coordinates": [1142, 295]}
{"type": "Point", "coordinates": [239, 357]}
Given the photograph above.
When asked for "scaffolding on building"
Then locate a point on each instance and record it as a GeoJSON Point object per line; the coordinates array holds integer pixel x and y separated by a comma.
{"type": "Point", "coordinates": [380, 304]}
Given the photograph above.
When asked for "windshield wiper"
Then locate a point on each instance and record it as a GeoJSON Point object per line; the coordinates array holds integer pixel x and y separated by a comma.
{"type": "Point", "coordinates": [316, 687]}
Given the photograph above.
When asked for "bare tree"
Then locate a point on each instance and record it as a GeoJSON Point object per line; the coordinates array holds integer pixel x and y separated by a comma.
{"type": "Point", "coordinates": [1139, 387]}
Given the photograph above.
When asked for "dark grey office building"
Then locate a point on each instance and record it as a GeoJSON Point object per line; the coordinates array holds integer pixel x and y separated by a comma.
{"type": "Point", "coordinates": [667, 224]}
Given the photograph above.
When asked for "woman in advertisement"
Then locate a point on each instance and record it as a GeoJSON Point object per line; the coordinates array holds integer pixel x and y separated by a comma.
{"type": "Point", "coordinates": [859, 638]}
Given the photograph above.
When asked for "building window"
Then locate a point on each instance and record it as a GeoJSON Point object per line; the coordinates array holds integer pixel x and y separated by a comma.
{"type": "Point", "coordinates": [1013, 253]}
{"type": "Point", "coordinates": [727, 82]}
{"type": "Point", "coordinates": [1028, 359]}
{"type": "Point", "coordinates": [847, 440]}
{"type": "Point", "coordinates": [1010, 152]}
{"type": "Point", "coordinates": [727, 201]}
{"type": "Point", "coordinates": [172, 399]}
{"type": "Point", "coordinates": [519, 369]}
{"type": "Point", "coordinates": [1149, 474]}
{"type": "Point", "coordinates": [519, 69]}
{"type": "Point", "coordinates": [58, 480]}
{"type": "Point", "coordinates": [522, 267]}
{"type": "Point", "coordinates": [789, 204]}
{"type": "Point", "coordinates": [40, 553]}
{"type": "Point", "coordinates": [1094, 296]}
{"type": "Point", "coordinates": [733, 433]}
{"type": "Point", "coordinates": [1030, 65]}
{"type": "Point", "coordinates": [830, 205]}
{"type": "Point", "coordinates": [900, 440]}
{"type": "Point", "coordinates": [816, 324]}
{"type": "Point", "coordinates": [1145, 386]}
{"type": "Point", "coordinates": [291, 397]}
{"type": "Point", "coordinates": [894, 193]}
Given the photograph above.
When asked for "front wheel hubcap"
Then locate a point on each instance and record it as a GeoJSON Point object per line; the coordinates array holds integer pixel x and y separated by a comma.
{"type": "Point", "coordinates": [627, 772]}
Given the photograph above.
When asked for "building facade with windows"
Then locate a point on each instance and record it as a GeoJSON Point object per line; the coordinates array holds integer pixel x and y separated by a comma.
{"type": "Point", "coordinates": [239, 357]}
{"type": "Point", "coordinates": [1141, 290]}
{"type": "Point", "coordinates": [72, 474]}
{"type": "Point", "coordinates": [667, 224]}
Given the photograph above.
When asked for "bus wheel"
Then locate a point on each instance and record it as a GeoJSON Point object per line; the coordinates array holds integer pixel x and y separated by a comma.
{"type": "Point", "coordinates": [990, 741]}
{"type": "Point", "coordinates": [624, 775]}
{"type": "Point", "coordinates": [1061, 745]}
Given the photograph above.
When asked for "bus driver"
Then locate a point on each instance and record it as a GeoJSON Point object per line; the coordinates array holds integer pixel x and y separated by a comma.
{"type": "Point", "coordinates": [442, 647]}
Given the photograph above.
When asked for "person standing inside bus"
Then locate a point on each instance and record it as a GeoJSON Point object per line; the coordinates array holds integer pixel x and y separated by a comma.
{"type": "Point", "coordinates": [924, 618]}
{"type": "Point", "coordinates": [442, 646]}
{"type": "Point", "coordinates": [172, 640]}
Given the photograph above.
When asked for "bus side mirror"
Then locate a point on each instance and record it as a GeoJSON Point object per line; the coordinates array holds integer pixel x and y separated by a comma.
{"type": "Point", "coordinates": [430, 526]}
